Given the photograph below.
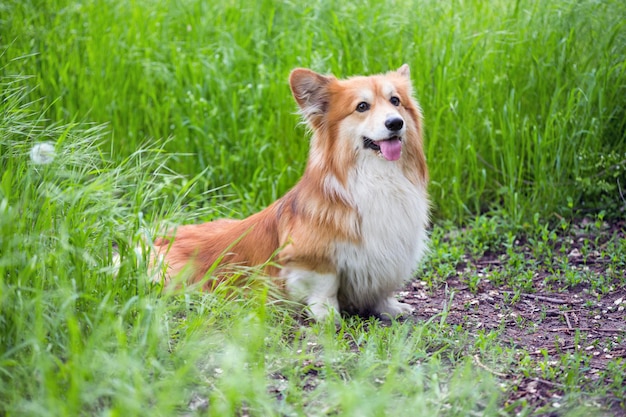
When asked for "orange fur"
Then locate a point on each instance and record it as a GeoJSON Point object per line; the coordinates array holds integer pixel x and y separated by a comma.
{"type": "Point", "coordinates": [309, 225]}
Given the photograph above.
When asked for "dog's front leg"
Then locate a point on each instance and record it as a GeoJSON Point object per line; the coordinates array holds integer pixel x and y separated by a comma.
{"type": "Point", "coordinates": [317, 290]}
{"type": "Point", "coordinates": [391, 308]}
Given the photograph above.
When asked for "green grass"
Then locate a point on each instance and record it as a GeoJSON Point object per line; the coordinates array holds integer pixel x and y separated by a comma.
{"type": "Point", "coordinates": [76, 341]}
{"type": "Point", "coordinates": [524, 101]}
{"type": "Point", "coordinates": [179, 111]}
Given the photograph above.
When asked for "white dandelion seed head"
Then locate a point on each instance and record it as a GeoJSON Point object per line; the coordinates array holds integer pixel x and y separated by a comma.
{"type": "Point", "coordinates": [42, 153]}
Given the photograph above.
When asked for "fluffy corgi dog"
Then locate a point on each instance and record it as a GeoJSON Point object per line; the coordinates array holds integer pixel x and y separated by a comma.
{"type": "Point", "coordinates": [353, 229]}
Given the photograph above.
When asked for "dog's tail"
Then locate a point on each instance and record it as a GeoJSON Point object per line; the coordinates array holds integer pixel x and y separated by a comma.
{"type": "Point", "coordinates": [144, 252]}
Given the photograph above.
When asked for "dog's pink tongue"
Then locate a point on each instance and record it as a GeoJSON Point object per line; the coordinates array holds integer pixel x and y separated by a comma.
{"type": "Point", "coordinates": [391, 149]}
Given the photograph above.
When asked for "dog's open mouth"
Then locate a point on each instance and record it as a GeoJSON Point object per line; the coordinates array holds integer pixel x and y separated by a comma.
{"type": "Point", "coordinates": [390, 148]}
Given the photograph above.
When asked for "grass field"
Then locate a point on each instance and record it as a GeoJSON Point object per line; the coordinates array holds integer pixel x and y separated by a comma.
{"type": "Point", "coordinates": [179, 111]}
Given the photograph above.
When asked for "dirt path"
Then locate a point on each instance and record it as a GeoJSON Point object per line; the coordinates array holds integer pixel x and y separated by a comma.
{"type": "Point", "coordinates": [547, 319]}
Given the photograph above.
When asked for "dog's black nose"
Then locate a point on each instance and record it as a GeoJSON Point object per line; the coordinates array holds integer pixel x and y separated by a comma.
{"type": "Point", "coordinates": [394, 124]}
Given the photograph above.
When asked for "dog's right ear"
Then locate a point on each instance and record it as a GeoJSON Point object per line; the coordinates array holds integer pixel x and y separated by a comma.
{"type": "Point", "coordinates": [311, 93]}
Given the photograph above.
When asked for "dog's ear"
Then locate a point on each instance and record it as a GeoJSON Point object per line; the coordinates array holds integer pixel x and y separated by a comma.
{"type": "Point", "coordinates": [405, 71]}
{"type": "Point", "coordinates": [310, 91]}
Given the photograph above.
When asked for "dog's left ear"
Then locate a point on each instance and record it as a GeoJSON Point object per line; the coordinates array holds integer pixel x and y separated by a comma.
{"type": "Point", "coordinates": [405, 71]}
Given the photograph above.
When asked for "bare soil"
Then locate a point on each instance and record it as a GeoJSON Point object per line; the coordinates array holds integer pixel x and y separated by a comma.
{"type": "Point", "coordinates": [544, 321]}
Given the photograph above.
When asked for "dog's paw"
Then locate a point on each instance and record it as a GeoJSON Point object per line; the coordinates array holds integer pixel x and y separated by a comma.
{"type": "Point", "coordinates": [322, 311]}
{"type": "Point", "coordinates": [392, 308]}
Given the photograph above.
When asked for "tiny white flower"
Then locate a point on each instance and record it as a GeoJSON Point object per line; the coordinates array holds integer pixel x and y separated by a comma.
{"type": "Point", "coordinates": [42, 153]}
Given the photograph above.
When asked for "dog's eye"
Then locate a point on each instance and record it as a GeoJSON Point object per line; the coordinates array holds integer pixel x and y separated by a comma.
{"type": "Point", "coordinates": [362, 106]}
{"type": "Point", "coordinates": [395, 101]}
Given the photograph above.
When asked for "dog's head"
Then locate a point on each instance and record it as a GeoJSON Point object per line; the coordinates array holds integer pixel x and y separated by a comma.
{"type": "Point", "coordinates": [361, 117]}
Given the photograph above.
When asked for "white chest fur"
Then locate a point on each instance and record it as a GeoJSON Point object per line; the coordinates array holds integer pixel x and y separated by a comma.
{"type": "Point", "coordinates": [394, 215]}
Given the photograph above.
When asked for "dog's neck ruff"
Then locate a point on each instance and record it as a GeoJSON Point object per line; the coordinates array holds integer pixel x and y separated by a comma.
{"type": "Point", "coordinates": [393, 214]}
